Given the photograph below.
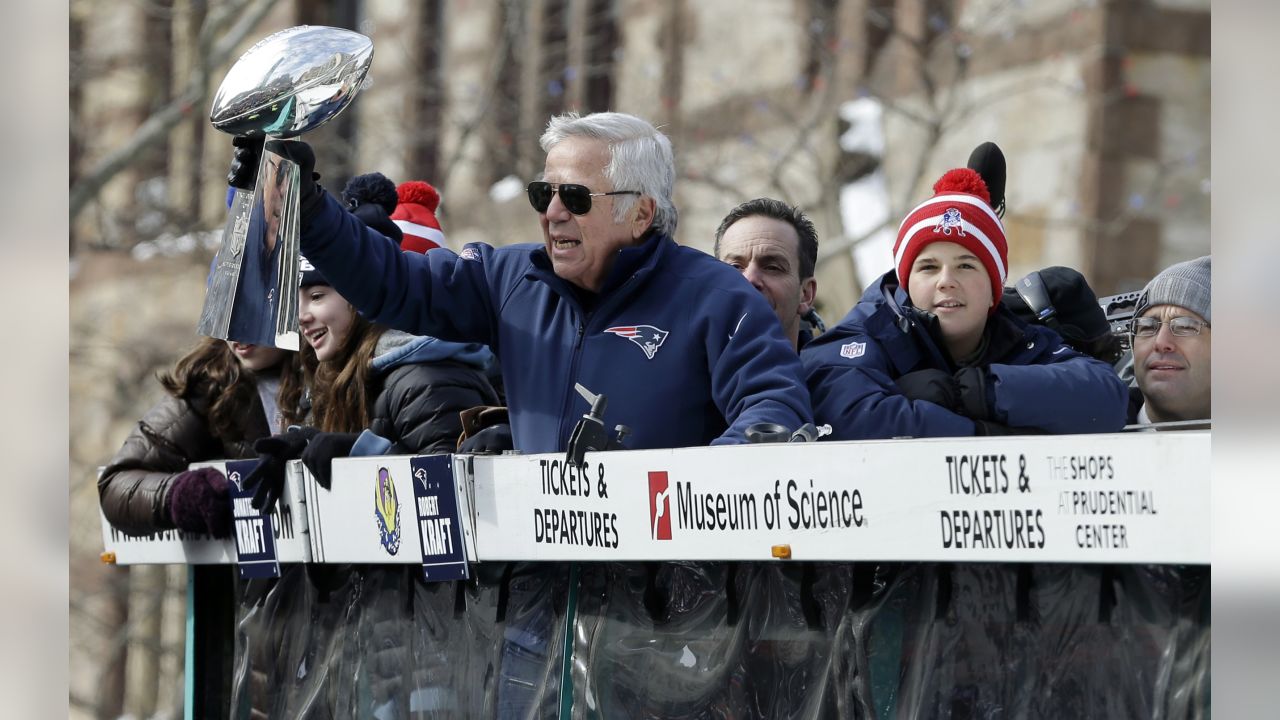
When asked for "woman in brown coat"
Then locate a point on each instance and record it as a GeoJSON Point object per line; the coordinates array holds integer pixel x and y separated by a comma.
{"type": "Point", "coordinates": [221, 397]}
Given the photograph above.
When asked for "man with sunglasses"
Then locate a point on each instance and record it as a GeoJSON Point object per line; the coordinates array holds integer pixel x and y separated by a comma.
{"type": "Point", "coordinates": [685, 352]}
{"type": "Point", "coordinates": [1171, 335]}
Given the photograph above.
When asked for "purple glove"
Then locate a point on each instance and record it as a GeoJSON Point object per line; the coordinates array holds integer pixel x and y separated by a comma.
{"type": "Point", "coordinates": [199, 502]}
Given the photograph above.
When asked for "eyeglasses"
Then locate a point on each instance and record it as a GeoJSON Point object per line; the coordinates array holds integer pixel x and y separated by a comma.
{"type": "Point", "coordinates": [576, 198]}
{"type": "Point", "coordinates": [1181, 326]}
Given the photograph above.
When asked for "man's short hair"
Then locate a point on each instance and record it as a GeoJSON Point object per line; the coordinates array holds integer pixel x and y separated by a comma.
{"type": "Point", "coordinates": [640, 158]}
{"type": "Point", "coordinates": [778, 210]}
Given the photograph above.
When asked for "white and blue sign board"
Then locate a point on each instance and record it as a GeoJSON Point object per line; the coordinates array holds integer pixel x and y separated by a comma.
{"type": "Point", "coordinates": [439, 521]}
{"type": "Point", "coordinates": [252, 530]}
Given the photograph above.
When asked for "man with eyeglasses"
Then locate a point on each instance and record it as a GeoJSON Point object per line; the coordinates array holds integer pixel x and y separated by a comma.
{"type": "Point", "coordinates": [1171, 335]}
{"type": "Point", "coordinates": [685, 352]}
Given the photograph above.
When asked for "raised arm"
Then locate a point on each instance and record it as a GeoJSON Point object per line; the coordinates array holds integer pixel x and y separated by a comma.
{"type": "Point", "coordinates": [438, 293]}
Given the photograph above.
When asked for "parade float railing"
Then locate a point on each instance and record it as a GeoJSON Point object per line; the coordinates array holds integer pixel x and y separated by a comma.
{"type": "Point", "coordinates": [1073, 507]}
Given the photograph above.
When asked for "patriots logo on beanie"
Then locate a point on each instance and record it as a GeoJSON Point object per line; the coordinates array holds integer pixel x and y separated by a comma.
{"type": "Point", "coordinates": [308, 275]}
{"type": "Point", "coordinates": [416, 216]}
{"type": "Point", "coordinates": [959, 212]}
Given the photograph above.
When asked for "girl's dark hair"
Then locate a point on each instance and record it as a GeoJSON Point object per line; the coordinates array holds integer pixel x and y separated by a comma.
{"type": "Point", "coordinates": [341, 397]}
{"type": "Point", "coordinates": [292, 387]}
{"type": "Point", "coordinates": [211, 376]}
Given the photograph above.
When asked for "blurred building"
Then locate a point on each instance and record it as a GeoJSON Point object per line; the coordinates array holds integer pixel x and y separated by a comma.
{"type": "Point", "coordinates": [1101, 107]}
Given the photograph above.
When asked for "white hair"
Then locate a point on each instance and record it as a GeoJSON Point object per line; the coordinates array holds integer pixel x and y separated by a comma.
{"type": "Point", "coordinates": [640, 158]}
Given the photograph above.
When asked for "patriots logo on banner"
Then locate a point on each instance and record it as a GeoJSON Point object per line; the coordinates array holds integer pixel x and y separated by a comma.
{"type": "Point", "coordinates": [950, 219]}
{"type": "Point", "coordinates": [647, 337]}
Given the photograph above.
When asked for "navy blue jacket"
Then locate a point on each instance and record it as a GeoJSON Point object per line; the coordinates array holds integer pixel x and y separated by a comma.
{"type": "Point", "coordinates": [1034, 380]}
{"type": "Point", "coordinates": [687, 352]}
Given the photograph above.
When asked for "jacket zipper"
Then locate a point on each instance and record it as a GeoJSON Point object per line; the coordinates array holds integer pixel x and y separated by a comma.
{"type": "Point", "coordinates": [601, 310]}
{"type": "Point", "coordinates": [569, 392]}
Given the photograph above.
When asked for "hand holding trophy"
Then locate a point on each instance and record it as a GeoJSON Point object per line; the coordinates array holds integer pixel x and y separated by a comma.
{"type": "Point", "coordinates": [289, 83]}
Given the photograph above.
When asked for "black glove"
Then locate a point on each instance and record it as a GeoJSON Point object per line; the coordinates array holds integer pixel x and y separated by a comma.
{"type": "Point", "coordinates": [930, 385]}
{"type": "Point", "coordinates": [972, 384]}
{"type": "Point", "coordinates": [308, 187]}
{"type": "Point", "coordinates": [245, 159]}
{"type": "Point", "coordinates": [273, 454]}
{"type": "Point", "coordinates": [320, 452]}
{"type": "Point", "coordinates": [489, 441]}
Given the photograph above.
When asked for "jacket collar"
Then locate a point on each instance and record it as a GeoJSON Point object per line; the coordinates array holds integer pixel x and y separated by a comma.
{"type": "Point", "coordinates": [396, 348]}
{"type": "Point", "coordinates": [901, 321]}
{"type": "Point", "coordinates": [633, 261]}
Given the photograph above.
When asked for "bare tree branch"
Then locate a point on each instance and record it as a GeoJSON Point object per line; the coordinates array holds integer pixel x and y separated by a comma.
{"type": "Point", "coordinates": [472, 124]}
{"type": "Point", "coordinates": [160, 122]}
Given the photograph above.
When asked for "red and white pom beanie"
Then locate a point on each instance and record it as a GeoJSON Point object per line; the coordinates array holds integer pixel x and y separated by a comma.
{"type": "Point", "coordinates": [959, 212]}
{"type": "Point", "coordinates": [415, 215]}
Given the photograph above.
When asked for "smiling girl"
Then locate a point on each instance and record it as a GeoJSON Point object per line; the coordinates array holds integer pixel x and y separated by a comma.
{"type": "Point", "coordinates": [406, 389]}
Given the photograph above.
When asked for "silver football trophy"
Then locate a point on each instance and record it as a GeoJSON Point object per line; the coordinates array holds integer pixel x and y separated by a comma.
{"type": "Point", "coordinates": [289, 83]}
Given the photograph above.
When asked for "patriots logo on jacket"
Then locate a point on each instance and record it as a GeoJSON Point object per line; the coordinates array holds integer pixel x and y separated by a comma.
{"type": "Point", "coordinates": [647, 337]}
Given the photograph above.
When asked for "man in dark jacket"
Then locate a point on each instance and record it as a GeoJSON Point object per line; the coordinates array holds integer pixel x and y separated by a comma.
{"type": "Point", "coordinates": [930, 351]}
{"type": "Point", "coordinates": [686, 352]}
{"type": "Point", "coordinates": [775, 247]}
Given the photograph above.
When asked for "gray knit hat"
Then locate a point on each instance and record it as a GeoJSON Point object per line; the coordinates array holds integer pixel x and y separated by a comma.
{"type": "Point", "coordinates": [1186, 284]}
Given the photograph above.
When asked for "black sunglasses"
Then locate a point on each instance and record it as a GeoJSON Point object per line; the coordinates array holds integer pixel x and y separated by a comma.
{"type": "Point", "coordinates": [576, 198]}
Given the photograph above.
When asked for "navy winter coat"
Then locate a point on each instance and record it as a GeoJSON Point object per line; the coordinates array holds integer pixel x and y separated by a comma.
{"type": "Point", "coordinates": [1034, 380]}
{"type": "Point", "coordinates": [687, 352]}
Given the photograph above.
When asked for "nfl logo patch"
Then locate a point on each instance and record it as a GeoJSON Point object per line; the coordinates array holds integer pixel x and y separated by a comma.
{"type": "Point", "coordinates": [853, 349]}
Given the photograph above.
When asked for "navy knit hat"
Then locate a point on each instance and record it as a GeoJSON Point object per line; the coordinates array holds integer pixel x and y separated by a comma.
{"type": "Point", "coordinates": [372, 198]}
{"type": "Point", "coordinates": [377, 218]}
{"type": "Point", "coordinates": [309, 274]}
{"type": "Point", "coordinates": [1186, 285]}
{"type": "Point", "coordinates": [365, 196]}
{"type": "Point", "coordinates": [371, 187]}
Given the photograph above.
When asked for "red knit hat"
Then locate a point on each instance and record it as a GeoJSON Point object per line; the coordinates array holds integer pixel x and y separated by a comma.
{"type": "Point", "coordinates": [416, 216]}
{"type": "Point", "coordinates": [959, 212]}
